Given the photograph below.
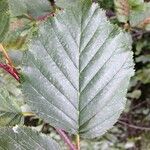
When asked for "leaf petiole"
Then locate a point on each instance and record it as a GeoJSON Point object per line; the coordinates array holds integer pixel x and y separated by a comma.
{"type": "Point", "coordinates": [78, 141]}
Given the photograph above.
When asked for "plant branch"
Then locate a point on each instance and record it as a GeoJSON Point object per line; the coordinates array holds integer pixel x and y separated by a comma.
{"type": "Point", "coordinates": [66, 139]}
{"type": "Point", "coordinates": [134, 126]}
{"type": "Point", "coordinates": [8, 67]}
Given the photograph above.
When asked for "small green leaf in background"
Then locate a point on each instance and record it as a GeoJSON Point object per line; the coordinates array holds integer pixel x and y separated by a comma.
{"type": "Point", "coordinates": [4, 19]}
{"type": "Point", "coordinates": [136, 4]}
{"type": "Point", "coordinates": [145, 141]}
{"type": "Point", "coordinates": [77, 71]}
{"type": "Point", "coordinates": [10, 108]}
{"type": "Point", "coordinates": [144, 75]}
{"type": "Point", "coordinates": [23, 138]}
{"type": "Point", "coordinates": [135, 94]}
{"type": "Point", "coordinates": [122, 10]}
{"type": "Point", "coordinates": [136, 12]}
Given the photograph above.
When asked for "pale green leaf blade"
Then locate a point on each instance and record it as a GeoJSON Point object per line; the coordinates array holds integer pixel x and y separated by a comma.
{"type": "Point", "coordinates": [30, 7]}
{"type": "Point", "coordinates": [77, 71]}
{"type": "Point", "coordinates": [66, 3]}
{"type": "Point", "coordinates": [38, 8]}
{"type": "Point", "coordinates": [10, 108]}
{"type": "Point", "coordinates": [23, 138]}
{"type": "Point", "coordinates": [19, 31]}
{"type": "Point", "coordinates": [4, 19]}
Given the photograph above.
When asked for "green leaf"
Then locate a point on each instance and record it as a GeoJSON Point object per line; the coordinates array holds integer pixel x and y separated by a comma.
{"type": "Point", "coordinates": [20, 30]}
{"type": "Point", "coordinates": [138, 17]}
{"type": "Point", "coordinates": [66, 3]}
{"type": "Point", "coordinates": [136, 5]}
{"type": "Point", "coordinates": [23, 138]}
{"type": "Point", "coordinates": [38, 8]}
{"type": "Point", "coordinates": [10, 108]}
{"type": "Point", "coordinates": [143, 75]}
{"type": "Point", "coordinates": [4, 19]}
{"type": "Point", "coordinates": [30, 7]}
{"type": "Point", "coordinates": [77, 71]}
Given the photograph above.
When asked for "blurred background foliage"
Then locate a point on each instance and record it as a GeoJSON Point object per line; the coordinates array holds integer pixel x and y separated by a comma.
{"type": "Point", "coordinates": [132, 131]}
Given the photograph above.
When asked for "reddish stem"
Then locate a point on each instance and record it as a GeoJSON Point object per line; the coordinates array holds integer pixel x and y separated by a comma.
{"type": "Point", "coordinates": [66, 139]}
{"type": "Point", "coordinates": [44, 17]}
{"type": "Point", "coordinates": [134, 126]}
{"type": "Point", "coordinates": [12, 71]}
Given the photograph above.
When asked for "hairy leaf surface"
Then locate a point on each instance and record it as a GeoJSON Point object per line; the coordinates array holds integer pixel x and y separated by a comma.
{"type": "Point", "coordinates": [10, 109]}
{"type": "Point", "coordinates": [21, 138]}
{"type": "Point", "coordinates": [4, 19]}
{"type": "Point", "coordinates": [38, 8]}
{"type": "Point", "coordinates": [66, 3]}
{"type": "Point", "coordinates": [77, 71]}
{"type": "Point", "coordinates": [30, 7]}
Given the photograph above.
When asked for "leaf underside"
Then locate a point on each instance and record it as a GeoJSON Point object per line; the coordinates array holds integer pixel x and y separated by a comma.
{"type": "Point", "coordinates": [22, 138]}
{"type": "Point", "coordinates": [10, 110]}
{"type": "Point", "coordinates": [30, 7]}
{"type": "Point", "coordinates": [4, 19]}
{"type": "Point", "coordinates": [77, 71]}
